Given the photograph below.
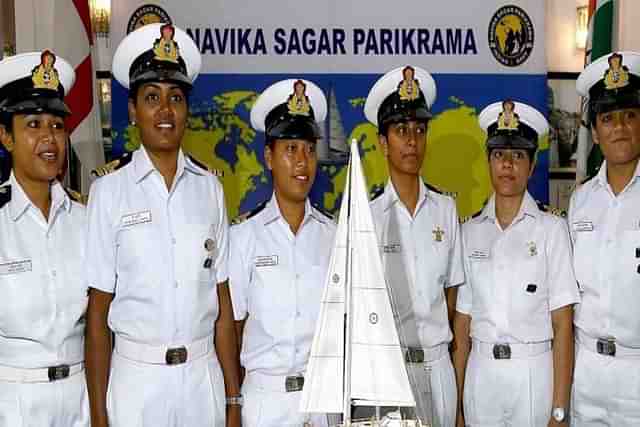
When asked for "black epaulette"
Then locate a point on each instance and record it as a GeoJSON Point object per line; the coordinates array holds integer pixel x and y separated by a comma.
{"type": "Point", "coordinates": [451, 194]}
{"type": "Point", "coordinates": [551, 209]}
{"type": "Point", "coordinates": [112, 166]}
{"type": "Point", "coordinates": [469, 217]}
{"type": "Point", "coordinates": [245, 216]}
{"type": "Point", "coordinates": [76, 196]}
{"type": "Point", "coordinates": [584, 181]}
{"type": "Point", "coordinates": [5, 195]}
{"type": "Point", "coordinates": [324, 212]}
{"type": "Point", "coordinates": [201, 165]}
{"type": "Point", "coordinates": [376, 192]}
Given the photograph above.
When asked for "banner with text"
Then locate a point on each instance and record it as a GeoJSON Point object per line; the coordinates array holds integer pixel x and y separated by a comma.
{"type": "Point", "coordinates": [478, 53]}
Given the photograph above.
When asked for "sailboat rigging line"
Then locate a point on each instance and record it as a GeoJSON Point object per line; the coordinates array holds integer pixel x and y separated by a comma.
{"type": "Point", "coordinates": [346, 408]}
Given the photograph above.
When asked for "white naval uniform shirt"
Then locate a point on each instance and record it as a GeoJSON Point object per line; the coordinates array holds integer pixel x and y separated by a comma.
{"type": "Point", "coordinates": [432, 249]}
{"type": "Point", "coordinates": [43, 296]}
{"type": "Point", "coordinates": [277, 278]}
{"type": "Point", "coordinates": [516, 277]}
{"type": "Point", "coordinates": [147, 246]}
{"type": "Point", "coordinates": [605, 230]}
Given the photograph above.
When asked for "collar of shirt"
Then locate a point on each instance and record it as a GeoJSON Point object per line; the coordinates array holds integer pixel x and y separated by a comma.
{"type": "Point", "coordinates": [601, 176]}
{"type": "Point", "coordinates": [528, 207]}
{"type": "Point", "coordinates": [272, 212]}
{"type": "Point", "coordinates": [392, 196]}
{"type": "Point", "coordinates": [20, 202]}
{"type": "Point", "coordinates": [143, 166]}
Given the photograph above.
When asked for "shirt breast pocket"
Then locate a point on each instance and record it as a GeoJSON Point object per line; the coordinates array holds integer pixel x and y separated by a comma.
{"type": "Point", "coordinates": [269, 291]}
{"type": "Point", "coordinates": [134, 245]}
{"type": "Point", "coordinates": [531, 282]}
{"type": "Point", "coordinates": [26, 306]}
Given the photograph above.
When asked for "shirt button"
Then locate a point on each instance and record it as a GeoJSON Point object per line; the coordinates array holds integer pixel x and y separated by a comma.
{"type": "Point", "coordinates": [297, 314]}
{"type": "Point", "coordinates": [173, 240]}
{"type": "Point", "coordinates": [53, 273]}
{"type": "Point", "coordinates": [176, 285]}
{"type": "Point", "coordinates": [297, 276]}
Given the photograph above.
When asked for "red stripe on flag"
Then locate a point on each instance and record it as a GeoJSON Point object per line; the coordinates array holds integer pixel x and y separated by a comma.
{"type": "Point", "coordinates": [82, 6]}
{"type": "Point", "coordinates": [592, 7]}
{"type": "Point", "coordinates": [80, 98]}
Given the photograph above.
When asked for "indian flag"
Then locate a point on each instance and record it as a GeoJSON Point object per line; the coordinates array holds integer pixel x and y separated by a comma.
{"type": "Point", "coordinates": [599, 43]}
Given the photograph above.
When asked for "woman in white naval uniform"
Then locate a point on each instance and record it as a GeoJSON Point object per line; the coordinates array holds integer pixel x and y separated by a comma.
{"type": "Point", "coordinates": [157, 255]}
{"type": "Point", "coordinates": [517, 305]}
{"type": "Point", "coordinates": [427, 241]}
{"type": "Point", "coordinates": [278, 260]}
{"type": "Point", "coordinates": [43, 297]}
{"type": "Point", "coordinates": [604, 217]}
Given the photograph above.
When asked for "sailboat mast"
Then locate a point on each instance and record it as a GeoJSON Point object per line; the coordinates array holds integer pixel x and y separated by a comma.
{"type": "Point", "coordinates": [346, 409]}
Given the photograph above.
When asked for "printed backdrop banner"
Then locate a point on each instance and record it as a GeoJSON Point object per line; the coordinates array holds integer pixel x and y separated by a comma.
{"type": "Point", "coordinates": [478, 52]}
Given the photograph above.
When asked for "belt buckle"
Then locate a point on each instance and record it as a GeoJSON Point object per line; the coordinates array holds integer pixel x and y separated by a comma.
{"type": "Point", "coordinates": [606, 346]}
{"type": "Point", "coordinates": [58, 372]}
{"type": "Point", "coordinates": [294, 383]}
{"type": "Point", "coordinates": [176, 356]}
{"type": "Point", "coordinates": [501, 351]}
{"type": "Point", "coordinates": [414, 355]}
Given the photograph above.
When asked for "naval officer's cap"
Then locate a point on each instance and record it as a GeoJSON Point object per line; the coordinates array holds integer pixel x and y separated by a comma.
{"type": "Point", "coordinates": [405, 93]}
{"type": "Point", "coordinates": [156, 53]}
{"type": "Point", "coordinates": [612, 82]}
{"type": "Point", "coordinates": [34, 83]}
{"type": "Point", "coordinates": [290, 109]}
{"type": "Point", "coordinates": [513, 125]}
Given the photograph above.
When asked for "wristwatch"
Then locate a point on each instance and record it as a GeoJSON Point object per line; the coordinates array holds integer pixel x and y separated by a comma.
{"type": "Point", "coordinates": [235, 400]}
{"type": "Point", "coordinates": [559, 414]}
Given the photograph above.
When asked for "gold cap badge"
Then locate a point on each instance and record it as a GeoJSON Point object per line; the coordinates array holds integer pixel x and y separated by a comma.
{"type": "Point", "coordinates": [45, 76]}
{"type": "Point", "coordinates": [298, 103]}
{"type": "Point", "coordinates": [409, 87]}
{"type": "Point", "coordinates": [617, 75]}
{"type": "Point", "coordinates": [508, 119]}
{"type": "Point", "coordinates": [165, 48]}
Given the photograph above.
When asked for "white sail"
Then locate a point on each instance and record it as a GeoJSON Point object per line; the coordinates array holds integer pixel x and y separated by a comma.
{"type": "Point", "coordinates": [367, 346]}
{"type": "Point", "coordinates": [378, 373]}
{"type": "Point", "coordinates": [324, 377]}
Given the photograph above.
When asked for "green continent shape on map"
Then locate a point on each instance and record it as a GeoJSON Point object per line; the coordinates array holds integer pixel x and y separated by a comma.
{"type": "Point", "coordinates": [201, 140]}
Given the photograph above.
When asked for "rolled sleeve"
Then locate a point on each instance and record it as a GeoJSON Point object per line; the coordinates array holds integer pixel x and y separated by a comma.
{"type": "Point", "coordinates": [456, 268]}
{"type": "Point", "coordinates": [464, 303]}
{"type": "Point", "coordinates": [238, 272]}
{"type": "Point", "coordinates": [100, 268]}
{"type": "Point", "coordinates": [563, 287]}
{"type": "Point", "coordinates": [222, 237]}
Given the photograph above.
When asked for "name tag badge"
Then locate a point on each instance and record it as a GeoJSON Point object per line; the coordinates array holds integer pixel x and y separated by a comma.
{"type": "Point", "coordinates": [583, 226]}
{"type": "Point", "coordinates": [266, 261]}
{"type": "Point", "coordinates": [394, 248]}
{"type": "Point", "coordinates": [15, 267]}
{"type": "Point", "coordinates": [478, 254]}
{"type": "Point", "coordinates": [135, 218]}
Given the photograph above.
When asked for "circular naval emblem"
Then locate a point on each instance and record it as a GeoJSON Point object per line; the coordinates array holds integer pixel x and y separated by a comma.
{"type": "Point", "coordinates": [373, 318]}
{"type": "Point", "coordinates": [209, 245]}
{"type": "Point", "coordinates": [335, 278]}
{"type": "Point", "coordinates": [511, 36]}
{"type": "Point", "coordinates": [147, 14]}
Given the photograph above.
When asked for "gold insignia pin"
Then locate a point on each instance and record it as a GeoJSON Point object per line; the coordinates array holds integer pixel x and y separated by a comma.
{"type": "Point", "coordinates": [45, 76]}
{"type": "Point", "coordinates": [165, 48]}
{"type": "Point", "coordinates": [617, 75]}
{"type": "Point", "coordinates": [533, 250]}
{"type": "Point", "coordinates": [298, 103]}
{"type": "Point", "coordinates": [438, 234]}
{"type": "Point", "coordinates": [409, 87]}
{"type": "Point", "coordinates": [508, 119]}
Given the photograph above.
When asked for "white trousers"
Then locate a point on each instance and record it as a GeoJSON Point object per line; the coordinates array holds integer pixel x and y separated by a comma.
{"type": "Point", "coordinates": [606, 390]}
{"type": "Point", "coordinates": [508, 392]}
{"type": "Point", "coordinates": [62, 403]}
{"type": "Point", "coordinates": [146, 395]}
{"type": "Point", "coordinates": [267, 404]}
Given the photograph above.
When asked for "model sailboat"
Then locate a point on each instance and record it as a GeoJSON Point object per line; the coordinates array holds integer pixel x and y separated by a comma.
{"type": "Point", "coordinates": [356, 358]}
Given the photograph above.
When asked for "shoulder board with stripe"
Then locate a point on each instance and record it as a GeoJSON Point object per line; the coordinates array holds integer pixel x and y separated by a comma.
{"type": "Point", "coordinates": [76, 196]}
{"type": "Point", "coordinates": [245, 216]}
{"type": "Point", "coordinates": [584, 181]}
{"type": "Point", "coordinates": [469, 217]}
{"type": "Point", "coordinates": [201, 165]}
{"type": "Point", "coordinates": [551, 210]}
{"type": "Point", "coordinates": [324, 212]}
{"type": "Point", "coordinates": [5, 195]}
{"type": "Point", "coordinates": [376, 192]}
{"type": "Point", "coordinates": [112, 166]}
{"type": "Point", "coordinates": [451, 194]}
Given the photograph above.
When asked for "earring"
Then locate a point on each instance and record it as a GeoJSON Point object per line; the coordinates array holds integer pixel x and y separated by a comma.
{"type": "Point", "coordinates": [132, 122]}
